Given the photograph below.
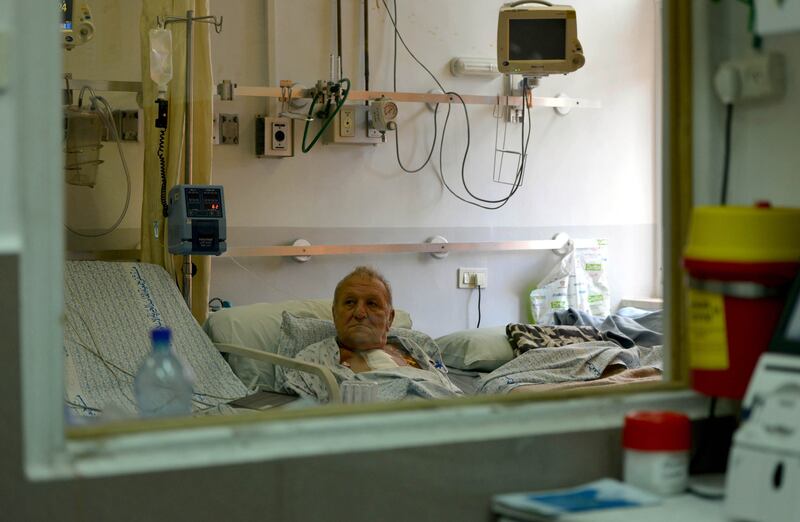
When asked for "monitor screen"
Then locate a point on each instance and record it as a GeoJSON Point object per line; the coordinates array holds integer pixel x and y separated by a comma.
{"type": "Point", "coordinates": [537, 39]}
{"type": "Point", "coordinates": [66, 13]}
{"type": "Point", "coordinates": [787, 335]}
{"type": "Point", "coordinates": [793, 323]}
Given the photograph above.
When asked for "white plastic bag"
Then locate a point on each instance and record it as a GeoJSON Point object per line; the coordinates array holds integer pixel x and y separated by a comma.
{"type": "Point", "coordinates": [579, 281]}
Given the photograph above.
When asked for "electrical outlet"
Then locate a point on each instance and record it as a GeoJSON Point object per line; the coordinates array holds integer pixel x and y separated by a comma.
{"type": "Point", "coordinates": [472, 277]}
{"type": "Point", "coordinates": [351, 126]}
{"type": "Point", "coordinates": [762, 76]}
{"type": "Point", "coordinates": [128, 124]}
{"type": "Point", "coordinates": [753, 78]}
{"type": "Point", "coordinates": [347, 122]}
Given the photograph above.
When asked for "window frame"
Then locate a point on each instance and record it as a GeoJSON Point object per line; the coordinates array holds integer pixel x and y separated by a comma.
{"type": "Point", "coordinates": [53, 452]}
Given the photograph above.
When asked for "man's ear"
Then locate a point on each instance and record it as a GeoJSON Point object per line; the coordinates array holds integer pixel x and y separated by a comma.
{"type": "Point", "coordinates": [391, 319]}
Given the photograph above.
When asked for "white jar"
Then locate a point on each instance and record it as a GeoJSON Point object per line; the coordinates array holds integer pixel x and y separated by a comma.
{"type": "Point", "coordinates": [657, 447]}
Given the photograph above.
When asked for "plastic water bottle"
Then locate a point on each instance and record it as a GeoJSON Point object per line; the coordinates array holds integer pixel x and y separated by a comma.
{"type": "Point", "coordinates": [163, 386]}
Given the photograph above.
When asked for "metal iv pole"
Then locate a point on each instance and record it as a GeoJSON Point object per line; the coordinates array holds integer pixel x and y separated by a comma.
{"type": "Point", "coordinates": [188, 134]}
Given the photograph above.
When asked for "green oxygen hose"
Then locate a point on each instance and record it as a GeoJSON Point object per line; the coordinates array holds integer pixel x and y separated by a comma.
{"type": "Point", "coordinates": [327, 121]}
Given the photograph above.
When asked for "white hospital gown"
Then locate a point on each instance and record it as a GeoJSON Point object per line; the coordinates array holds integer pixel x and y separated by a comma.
{"type": "Point", "coordinates": [428, 381]}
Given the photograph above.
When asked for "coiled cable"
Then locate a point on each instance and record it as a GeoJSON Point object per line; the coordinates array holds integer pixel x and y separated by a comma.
{"type": "Point", "coordinates": [162, 162]}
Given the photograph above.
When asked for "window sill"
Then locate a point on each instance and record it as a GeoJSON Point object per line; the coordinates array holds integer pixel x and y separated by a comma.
{"type": "Point", "coordinates": [257, 441]}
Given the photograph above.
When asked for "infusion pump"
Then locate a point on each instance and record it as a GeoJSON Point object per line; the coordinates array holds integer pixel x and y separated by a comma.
{"type": "Point", "coordinates": [196, 221]}
{"type": "Point", "coordinates": [76, 28]}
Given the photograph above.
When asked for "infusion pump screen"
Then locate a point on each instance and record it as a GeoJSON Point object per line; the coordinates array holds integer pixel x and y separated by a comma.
{"type": "Point", "coordinates": [532, 39]}
{"type": "Point", "coordinates": [66, 13]}
{"type": "Point", "coordinates": [205, 202]}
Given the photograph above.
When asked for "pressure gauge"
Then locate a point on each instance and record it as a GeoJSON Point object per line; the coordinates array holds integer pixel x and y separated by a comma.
{"type": "Point", "coordinates": [382, 112]}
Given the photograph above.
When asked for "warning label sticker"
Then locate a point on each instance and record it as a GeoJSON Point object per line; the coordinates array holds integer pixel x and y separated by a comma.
{"type": "Point", "coordinates": [708, 339]}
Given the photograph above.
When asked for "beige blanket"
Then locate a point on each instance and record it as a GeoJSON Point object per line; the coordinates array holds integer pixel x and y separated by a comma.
{"type": "Point", "coordinates": [614, 375]}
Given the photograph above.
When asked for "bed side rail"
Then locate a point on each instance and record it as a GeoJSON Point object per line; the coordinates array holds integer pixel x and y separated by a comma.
{"type": "Point", "coordinates": [320, 371]}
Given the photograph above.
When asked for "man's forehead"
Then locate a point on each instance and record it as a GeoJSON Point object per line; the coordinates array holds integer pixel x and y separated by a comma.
{"type": "Point", "coordinates": [362, 284]}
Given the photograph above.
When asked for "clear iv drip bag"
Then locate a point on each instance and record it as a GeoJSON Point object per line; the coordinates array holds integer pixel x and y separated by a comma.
{"type": "Point", "coordinates": [161, 58]}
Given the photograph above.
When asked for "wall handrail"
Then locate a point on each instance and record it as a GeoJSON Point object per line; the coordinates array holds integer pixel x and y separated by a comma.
{"type": "Point", "coordinates": [556, 244]}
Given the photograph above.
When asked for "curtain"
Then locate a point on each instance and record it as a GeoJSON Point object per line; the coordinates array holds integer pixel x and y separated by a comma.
{"type": "Point", "coordinates": [153, 230]}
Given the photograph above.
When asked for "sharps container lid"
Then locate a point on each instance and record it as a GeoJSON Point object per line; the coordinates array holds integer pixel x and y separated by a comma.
{"type": "Point", "coordinates": [760, 233]}
{"type": "Point", "coordinates": [656, 431]}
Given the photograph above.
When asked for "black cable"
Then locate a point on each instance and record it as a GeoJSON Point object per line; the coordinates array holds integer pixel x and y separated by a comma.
{"type": "Point", "coordinates": [479, 307]}
{"type": "Point", "coordinates": [394, 76]}
{"type": "Point", "coordinates": [339, 38]}
{"type": "Point", "coordinates": [727, 154]}
{"type": "Point", "coordinates": [366, 48]}
{"type": "Point", "coordinates": [520, 171]}
{"type": "Point", "coordinates": [436, 108]}
{"type": "Point", "coordinates": [518, 178]}
{"type": "Point", "coordinates": [163, 167]}
{"type": "Point", "coordinates": [430, 152]}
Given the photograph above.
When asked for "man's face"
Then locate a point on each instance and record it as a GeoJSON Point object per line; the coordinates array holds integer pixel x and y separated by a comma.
{"type": "Point", "coordinates": [362, 313]}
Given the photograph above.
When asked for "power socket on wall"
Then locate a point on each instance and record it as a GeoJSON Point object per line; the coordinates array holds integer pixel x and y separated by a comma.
{"type": "Point", "coordinates": [756, 77]}
{"type": "Point", "coordinates": [352, 126]}
{"type": "Point", "coordinates": [473, 277]}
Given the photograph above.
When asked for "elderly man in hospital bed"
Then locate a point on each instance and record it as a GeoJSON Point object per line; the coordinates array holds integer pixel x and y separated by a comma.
{"type": "Point", "coordinates": [363, 350]}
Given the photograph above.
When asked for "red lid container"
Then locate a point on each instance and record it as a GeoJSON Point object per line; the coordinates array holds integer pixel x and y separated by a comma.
{"type": "Point", "coordinates": [656, 431]}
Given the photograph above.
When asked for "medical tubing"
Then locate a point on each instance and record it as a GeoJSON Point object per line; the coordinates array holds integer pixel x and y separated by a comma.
{"type": "Point", "coordinates": [108, 122]}
{"type": "Point", "coordinates": [328, 120]}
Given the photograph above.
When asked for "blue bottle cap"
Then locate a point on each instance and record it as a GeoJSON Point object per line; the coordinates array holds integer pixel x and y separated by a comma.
{"type": "Point", "coordinates": [161, 335]}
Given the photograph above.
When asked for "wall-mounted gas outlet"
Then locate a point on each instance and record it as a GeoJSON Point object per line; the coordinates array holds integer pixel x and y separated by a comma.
{"type": "Point", "coordinates": [274, 137]}
{"type": "Point", "coordinates": [351, 126]}
{"type": "Point", "coordinates": [473, 277]}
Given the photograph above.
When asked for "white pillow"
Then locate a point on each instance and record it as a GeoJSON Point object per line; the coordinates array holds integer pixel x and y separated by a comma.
{"type": "Point", "coordinates": [258, 326]}
{"type": "Point", "coordinates": [482, 349]}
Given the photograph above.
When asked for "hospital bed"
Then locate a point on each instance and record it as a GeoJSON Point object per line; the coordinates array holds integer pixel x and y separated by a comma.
{"type": "Point", "coordinates": [471, 357]}
{"type": "Point", "coordinates": [110, 309]}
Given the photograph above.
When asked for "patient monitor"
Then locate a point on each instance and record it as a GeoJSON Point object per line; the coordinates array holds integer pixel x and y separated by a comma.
{"type": "Point", "coordinates": [537, 38]}
{"type": "Point", "coordinates": [76, 27]}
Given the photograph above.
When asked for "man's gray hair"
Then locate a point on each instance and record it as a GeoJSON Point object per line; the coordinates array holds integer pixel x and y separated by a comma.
{"type": "Point", "coordinates": [365, 272]}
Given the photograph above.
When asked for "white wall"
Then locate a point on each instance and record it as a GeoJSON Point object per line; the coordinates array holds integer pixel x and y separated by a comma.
{"type": "Point", "coordinates": [592, 173]}
{"type": "Point", "coordinates": [763, 163]}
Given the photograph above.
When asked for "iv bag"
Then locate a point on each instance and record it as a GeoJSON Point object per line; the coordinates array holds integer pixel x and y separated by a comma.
{"type": "Point", "coordinates": [161, 57]}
